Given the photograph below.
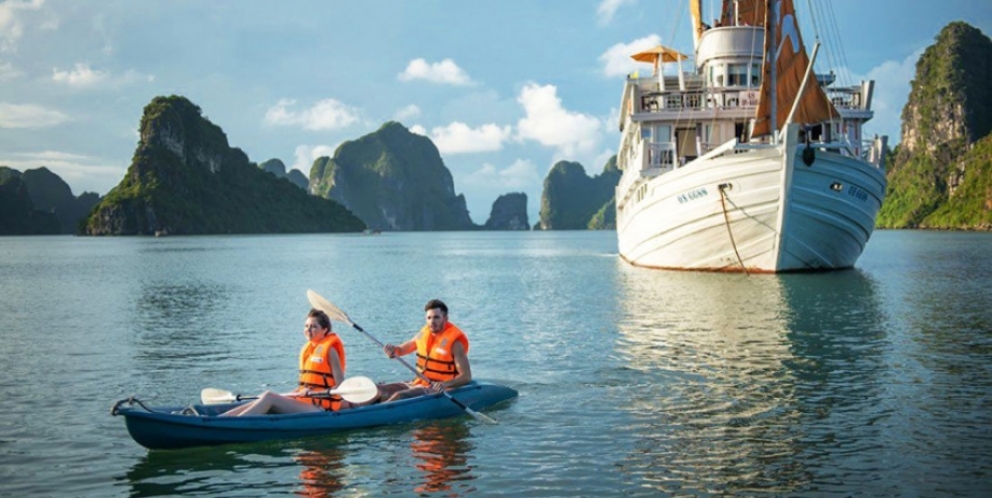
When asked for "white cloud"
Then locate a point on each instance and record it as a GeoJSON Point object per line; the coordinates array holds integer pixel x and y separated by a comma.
{"type": "Point", "coordinates": [81, 76]}
{"type": "Point", "coordinates": [11, 24]}
{"type": "Point", "coordinates": [8, 71]}
{"type": "Point", "coordinates": [419, 130]}
{"type": "Point", "coordinates": [445, 72]}
{"type": "Point", "coordinates": [328, 114]}
{"type": "Point", "coordinates": [608, 8]}
{"type": "Point", "coordinates": [459, 138]}
{"type": "Point", "coordinates": [82, 173]}
{"type": "Point", "coordinates": [85, 77]}
{"type": "Point", "coordinates": [520, 175]}
{"type": "Point", "coordinates": [409, 112]}
{"type": "Point", "coordinates": [305, 155]}
{"type": "Point", "coordinates": [29, 116]}
{"type": "Point", "coordinates": [550, 124]}
{"type": "Point", "coordinates": [617, 62]}
{"type": "Point", "coordinates": [892, 86]}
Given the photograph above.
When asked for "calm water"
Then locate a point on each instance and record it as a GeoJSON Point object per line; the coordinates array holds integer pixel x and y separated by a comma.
{"type": "Point", "coordinates": [873, 382]}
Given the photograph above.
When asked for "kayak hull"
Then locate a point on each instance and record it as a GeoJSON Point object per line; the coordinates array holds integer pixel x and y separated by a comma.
{"type": "Point", "coordinates": [198, 425]}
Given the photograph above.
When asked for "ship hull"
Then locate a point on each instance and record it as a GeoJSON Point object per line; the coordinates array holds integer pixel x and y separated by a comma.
{"type": "Point", "coordinates": [754, 209]}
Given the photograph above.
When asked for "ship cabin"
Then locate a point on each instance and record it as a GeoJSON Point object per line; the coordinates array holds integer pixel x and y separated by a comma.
{"type": "Point", "coordinates": [678, 117]}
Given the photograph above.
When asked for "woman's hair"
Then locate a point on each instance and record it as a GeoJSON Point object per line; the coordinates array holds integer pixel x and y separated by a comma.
{"type": "Point", "coordinates": [321, 318]}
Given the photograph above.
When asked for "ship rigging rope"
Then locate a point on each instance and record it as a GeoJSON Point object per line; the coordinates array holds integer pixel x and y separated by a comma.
{"type": "Point", "coordinates": [726, 219]}
{"type": "Point", "coordinates": [836, 55]}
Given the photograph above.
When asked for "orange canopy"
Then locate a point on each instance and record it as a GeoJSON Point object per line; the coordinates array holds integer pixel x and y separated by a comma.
{"type": "Point", "coordinates": [659, 54]}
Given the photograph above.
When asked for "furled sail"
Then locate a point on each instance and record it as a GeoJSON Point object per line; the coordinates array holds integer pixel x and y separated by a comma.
{"type": "Point", "coordinates": [784, 46]}
{"type": "Point", "coordinates": [743, 13]}
{"type": "Point", "coordinates": [696, 10]}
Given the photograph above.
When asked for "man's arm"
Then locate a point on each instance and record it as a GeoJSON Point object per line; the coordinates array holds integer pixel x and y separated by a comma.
{"type": "Point", "coordinates": [464, 369]}
{"type": "Point", "coordinates": [401, 350]}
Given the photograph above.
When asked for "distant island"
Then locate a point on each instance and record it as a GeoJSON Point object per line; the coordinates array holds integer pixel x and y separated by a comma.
{"type": "Point", "coordinates": [186, 179]}
{"type": "Point", "coordinates": [39, 202]}
{"type": "Point", "coordinates": [393, 180]}
{"type": "Point", "coordinates": [571, 200]}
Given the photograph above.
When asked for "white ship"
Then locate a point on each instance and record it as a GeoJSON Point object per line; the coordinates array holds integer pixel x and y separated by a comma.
{"type": "Point", "coordinates": [751, 162]}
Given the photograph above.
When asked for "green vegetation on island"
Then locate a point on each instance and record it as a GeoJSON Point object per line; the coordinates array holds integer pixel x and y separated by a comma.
{"type": "Point", "coordinates": [39, 202]}
{"type": "Point", "coordinates": [509, 212]}
{"type": "Point", "coordinates": [941, 173]}
{"type": "Point", "coordinates": [571, 200]}
{"type": "Point", "coordinates": [184, 178]}
{"type": "Point", "coordinates": [393, 180]}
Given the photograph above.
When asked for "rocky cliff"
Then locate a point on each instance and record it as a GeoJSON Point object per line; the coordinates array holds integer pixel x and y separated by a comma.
{"type": "Point", "coordinates": [509, 213]}
{"type": "Point", "coordinates": [571, 200]}
{"type": "Point", "coordinates": [940, 173]}
{"type": "Point", "coordinates": [184, 178]}
{"type": "Point", "coordinates": [277, 168]}
{"type": "Point", "coordinates": [393, 180]}
{"type": "Point", "coordinates": [18, 215]}
{"type": "Point", "coordinates": [49, 192]}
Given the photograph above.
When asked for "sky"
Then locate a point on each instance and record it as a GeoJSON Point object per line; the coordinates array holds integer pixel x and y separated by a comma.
{"type": "Point", "coordinates": [504, 88]}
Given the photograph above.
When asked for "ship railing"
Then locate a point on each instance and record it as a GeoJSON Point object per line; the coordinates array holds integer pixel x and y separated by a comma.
{"type": "Point", "coordinates": [875, 150]}
{"type": "Point", "coordinates": [676, 100]}
{"type": "Point", "coordinates": [660, 155]}
{"type": "Point", "coordinates": [844, 98]}
{"type": "Point", "coordinates": [647, 160]}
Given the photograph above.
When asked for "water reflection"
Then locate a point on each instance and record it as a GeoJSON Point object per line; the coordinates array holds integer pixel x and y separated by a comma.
{"type": "Point", "coordinates": [714, 411]}
{"type": "Point", "coordinates": [835, 326]}
{"type": "Point", "coordinates": [323, 472]}
{"type": "Point", "coordinates": [312, 468]}
{"type": "Point", "coordinates": [442, 453]}
{"type": "Point", "coordinates": [732, 373]}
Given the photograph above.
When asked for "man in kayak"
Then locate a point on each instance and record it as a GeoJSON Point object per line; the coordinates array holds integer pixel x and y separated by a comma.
{"type": "Point", "coordinates": [322, 365]}
{"type": "Point", "coordinates": [442, 356]}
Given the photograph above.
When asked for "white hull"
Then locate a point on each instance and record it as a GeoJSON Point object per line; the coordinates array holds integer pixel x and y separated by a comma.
{"type": "Point", "coordinates": [772, 214]}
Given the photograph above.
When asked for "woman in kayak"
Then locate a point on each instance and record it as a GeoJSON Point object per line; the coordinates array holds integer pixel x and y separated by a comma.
{"type": "Point", "coordinates": [322, 365]}
{"type": "Point", "coordinates": [442, 356]}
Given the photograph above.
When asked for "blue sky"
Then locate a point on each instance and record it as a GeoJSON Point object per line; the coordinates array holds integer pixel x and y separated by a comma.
{"type": "Point", "coordinates": [504, 88]}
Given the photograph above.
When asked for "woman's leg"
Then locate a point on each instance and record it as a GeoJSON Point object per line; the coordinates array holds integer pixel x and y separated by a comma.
{"type": "Point", "coordinates": [412, 392]}
{"type": "Point", "coordinates": [270, 402]}
{"type": "Point", "coordinates": [386, 391]}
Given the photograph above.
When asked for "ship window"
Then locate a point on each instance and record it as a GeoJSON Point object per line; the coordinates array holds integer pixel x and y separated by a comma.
{"type": "Point", "coordinates": [737, 75]}
{"type": "Point", "coordinates": [663, 133]}
{"type": "Point", "coordinates": [755, 75]}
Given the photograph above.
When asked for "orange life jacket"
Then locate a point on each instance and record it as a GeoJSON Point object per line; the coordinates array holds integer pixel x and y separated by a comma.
{"type": "Point", "coordinates": [316, 372]}
{"type": "Point", "coordinates": [434, 358]}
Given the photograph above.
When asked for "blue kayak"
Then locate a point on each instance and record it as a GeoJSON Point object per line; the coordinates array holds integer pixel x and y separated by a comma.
{"type": "Point", "coordinates": [198, 425]}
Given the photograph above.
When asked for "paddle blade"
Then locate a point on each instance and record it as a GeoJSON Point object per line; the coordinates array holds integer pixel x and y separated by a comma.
{"type": "Point", "coordinates": [333, 312]}
{"type": "Point", "coordinates": [357, 389]}
{"type": "Point", "coordinates": [213, 396]}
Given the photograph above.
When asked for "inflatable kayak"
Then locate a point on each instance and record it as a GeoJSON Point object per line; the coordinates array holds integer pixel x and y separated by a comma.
{"type": "Point", "coordinates": [198, 425]}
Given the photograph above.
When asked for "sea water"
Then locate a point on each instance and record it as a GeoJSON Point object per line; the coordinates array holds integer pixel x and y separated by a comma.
{"type": "Point", "coordinates": [875, 381]}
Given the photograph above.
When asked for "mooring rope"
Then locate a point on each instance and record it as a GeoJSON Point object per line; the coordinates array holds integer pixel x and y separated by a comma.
{"type": "Point", "coordinates": [726, 219]}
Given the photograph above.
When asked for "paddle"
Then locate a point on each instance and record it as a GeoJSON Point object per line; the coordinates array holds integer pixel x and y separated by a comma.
{"type": "Point", "coordinates": [353, 389]}
{"type": "Point", "coordinates": [335, 313]}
